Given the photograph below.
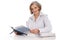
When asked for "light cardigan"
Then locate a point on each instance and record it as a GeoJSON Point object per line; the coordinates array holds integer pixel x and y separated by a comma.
{"type": "Point", "coordinates": [42, 23]}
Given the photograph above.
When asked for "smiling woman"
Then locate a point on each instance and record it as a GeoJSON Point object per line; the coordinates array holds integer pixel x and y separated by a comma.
{"type": "Point", "coordinates": [38, 22]}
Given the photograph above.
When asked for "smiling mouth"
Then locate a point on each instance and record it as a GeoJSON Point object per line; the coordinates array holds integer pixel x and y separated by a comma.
{"type": "Point", "coordinates": [35, 11]}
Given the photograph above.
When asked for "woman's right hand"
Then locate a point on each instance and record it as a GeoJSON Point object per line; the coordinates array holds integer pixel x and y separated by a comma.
{"type": "Point", "coordinates": [31, 31]}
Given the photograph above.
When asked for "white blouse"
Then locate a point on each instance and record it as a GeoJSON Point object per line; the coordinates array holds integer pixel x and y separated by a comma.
{"type": "Point", "coordinates": [42, 23]}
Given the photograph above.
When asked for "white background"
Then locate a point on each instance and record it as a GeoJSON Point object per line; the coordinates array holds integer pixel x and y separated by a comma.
{"type": "Point", "coordinates": [16, 12]}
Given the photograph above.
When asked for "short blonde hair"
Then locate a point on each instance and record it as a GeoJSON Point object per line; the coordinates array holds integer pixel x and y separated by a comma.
{"type": "Point", "coordinates": [35, 2]}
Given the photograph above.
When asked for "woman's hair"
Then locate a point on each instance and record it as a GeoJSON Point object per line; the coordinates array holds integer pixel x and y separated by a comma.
{"type": "Point", "coordinates": [38, 4]}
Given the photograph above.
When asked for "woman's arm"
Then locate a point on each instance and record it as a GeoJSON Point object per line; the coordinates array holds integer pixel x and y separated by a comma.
{"type": "Point", "coordinates": [34, 31]}
{"type": "Point", "coordinates": [47, 25]}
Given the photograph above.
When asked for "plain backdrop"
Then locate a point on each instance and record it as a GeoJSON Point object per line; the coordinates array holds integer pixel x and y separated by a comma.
{"type": "Point", "coordinates": [16, 12]}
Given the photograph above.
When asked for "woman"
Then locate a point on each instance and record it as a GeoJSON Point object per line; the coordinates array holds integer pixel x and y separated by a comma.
{"type": "Point", "coordinates": [38, 22]}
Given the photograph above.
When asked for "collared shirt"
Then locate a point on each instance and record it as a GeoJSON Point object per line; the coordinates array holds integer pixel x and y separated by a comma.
{"type": "Point", "coordinates": [42, 23]}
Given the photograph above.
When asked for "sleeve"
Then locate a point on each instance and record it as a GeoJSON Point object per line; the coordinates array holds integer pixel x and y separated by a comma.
{"type": "Point", "coordinates": [47, 25]}
{"type": "Point", "coordinates": [28, 23]}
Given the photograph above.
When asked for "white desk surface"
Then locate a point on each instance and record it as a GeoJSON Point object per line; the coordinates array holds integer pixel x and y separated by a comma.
{"type": "Point", "coordinates": [15, 37]}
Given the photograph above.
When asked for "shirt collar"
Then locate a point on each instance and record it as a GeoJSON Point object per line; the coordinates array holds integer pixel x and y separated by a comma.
{"type": "Point", "coordinates": [38, 16]}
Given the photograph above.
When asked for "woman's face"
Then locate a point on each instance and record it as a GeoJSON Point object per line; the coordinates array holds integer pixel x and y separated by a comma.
{"type": "Point", "coordinates": [35, 9]}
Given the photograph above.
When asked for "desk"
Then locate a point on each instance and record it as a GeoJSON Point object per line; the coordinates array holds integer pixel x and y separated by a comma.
{"type": "Point", "coordinates": [16, 37]}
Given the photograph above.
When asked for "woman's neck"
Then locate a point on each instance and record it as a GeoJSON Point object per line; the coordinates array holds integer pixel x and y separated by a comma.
{"type": "Point", "coordinates": [36, 16]}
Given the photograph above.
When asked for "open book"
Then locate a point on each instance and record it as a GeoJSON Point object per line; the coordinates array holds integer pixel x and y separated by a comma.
{"type": "Point", "coordinates": [20, 30]}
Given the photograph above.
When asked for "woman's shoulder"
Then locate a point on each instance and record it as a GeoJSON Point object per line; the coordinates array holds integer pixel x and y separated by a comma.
{"type": "Point", "coordinates": [30, 18]}
{"type": "Point", "coordinates": [43, 15]}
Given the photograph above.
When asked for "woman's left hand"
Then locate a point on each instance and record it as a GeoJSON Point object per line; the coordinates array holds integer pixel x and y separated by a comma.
{"type": "Point", "coordinates": [35, 31]}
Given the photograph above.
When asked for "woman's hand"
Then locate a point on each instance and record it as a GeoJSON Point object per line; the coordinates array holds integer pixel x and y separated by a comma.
{"type": "Point", "coordinates": [35, 31]}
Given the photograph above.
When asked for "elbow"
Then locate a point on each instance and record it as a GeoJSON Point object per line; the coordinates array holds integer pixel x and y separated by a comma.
{"type": "Point", "coordinates": [49, 29]}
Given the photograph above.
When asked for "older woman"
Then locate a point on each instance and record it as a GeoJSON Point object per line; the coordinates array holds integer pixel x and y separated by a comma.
{"type": "Point", "coordinates": [38, 22]}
